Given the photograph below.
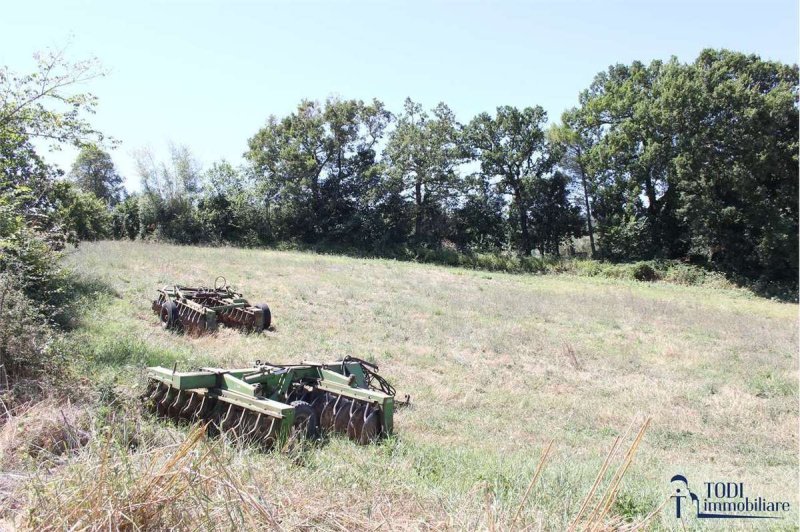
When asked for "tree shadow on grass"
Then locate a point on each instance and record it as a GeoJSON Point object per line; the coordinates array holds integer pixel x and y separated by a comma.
{"type": "Point", "coordinates": [74, 294]}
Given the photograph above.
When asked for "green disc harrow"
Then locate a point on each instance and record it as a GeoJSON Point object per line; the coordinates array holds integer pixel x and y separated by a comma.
{"type": "Point", "coordinates": [270, 403]}
{"type": "Point", "coordinates": [199, 310]}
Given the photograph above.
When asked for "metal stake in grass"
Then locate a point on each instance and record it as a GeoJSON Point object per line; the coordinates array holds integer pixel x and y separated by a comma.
{"type": "Point", "coordinates": [611, 492]}
{"type": "Point", "coordinates": [533, 481]}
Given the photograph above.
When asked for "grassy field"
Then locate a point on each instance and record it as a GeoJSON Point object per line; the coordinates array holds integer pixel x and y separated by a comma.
{"type": "Point", "coordinates": [497, 366]}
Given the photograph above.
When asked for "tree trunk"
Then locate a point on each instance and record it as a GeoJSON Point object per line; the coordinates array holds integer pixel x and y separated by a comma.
{"type": "Point", "coordinates": [523, 221]}
{"type": "Point", "coordinates": [315, 204]}
{"type": "Point", "coordinates": [652, 212]}
{"type": "Point", "coordinates": [585, 184]}
{"type": "Point", "coordinates": [650, 191]}
{"type": "Point", "coordinates": [268, 221]}
{"type": "Point", "coordinates": [418, 202]}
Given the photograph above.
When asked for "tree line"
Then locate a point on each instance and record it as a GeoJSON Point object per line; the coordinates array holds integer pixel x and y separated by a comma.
{"type": "Point", "coordinates": [667, 160]}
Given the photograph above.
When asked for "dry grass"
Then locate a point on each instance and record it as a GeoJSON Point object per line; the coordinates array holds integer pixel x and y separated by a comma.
{"type": "Point", "coordinates": [199, 484]}
{"type": "Point", "coordinates": [202, 484]}
{"type": "Point", "coordinates": [44, 431]}
{"type": "Point", "coordinates": [497, 366]}
{"type": "Point", "coordinates": [196, 484]}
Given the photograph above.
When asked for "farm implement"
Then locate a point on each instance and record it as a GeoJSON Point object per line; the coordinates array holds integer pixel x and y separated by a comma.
{"type": "Point", "coordinates": [199, 310]}
{"type": "Point", "coordinates": [270, 404]}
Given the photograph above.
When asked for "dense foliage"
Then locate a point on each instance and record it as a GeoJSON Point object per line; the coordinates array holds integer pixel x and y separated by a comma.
{"type": "Point", "coordinates": [695, 163]}
{"type": "Point", "coordinates": [95, 173]}
{"type": "Point", "coordinates": [667, 161]}
{"type": "Point", "coordinates": [40, 213]}
{"type": "Point", "coordinates": [692, 160]}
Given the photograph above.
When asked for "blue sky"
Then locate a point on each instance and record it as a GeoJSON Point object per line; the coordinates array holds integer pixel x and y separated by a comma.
{"type": "Point", "coordinates": [207, 74]}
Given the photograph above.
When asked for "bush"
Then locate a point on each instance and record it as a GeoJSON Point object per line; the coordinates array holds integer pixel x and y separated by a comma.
{"type": "Point", "coordinates": [29, 263]}
{"type": "Point", "coordinates": [644, 271]}
{"type": "Point", "coordinates": [685, 274]}
{"type": "Point", "coordinates": [82, 215]}
{"type": "Point", "coordinates": [588, 268]}
{"type": "Point", "coordinates": [25, 336]}
{"type": "Point", "coordinates": [126, 218]}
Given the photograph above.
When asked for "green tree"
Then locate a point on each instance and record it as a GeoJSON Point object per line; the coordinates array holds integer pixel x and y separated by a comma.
{"type": "Point", "coordinates": [168, 204]}
{"type": "Point", "coordinates": [34, 227]}
{"type": "Point", "coordinates": [512, 147]}
{"type": "Point", "coordinates": [636, 149]}
{"type": "Point", "coordinates": [423, 153]}
{"type": "Point", "coordinates": [41, 104]}
{"type": "Point", "coordinates": [229, 206]}
{"type": "Point", "coordinates": [315, 166]}
{"type": "Point", "coordinates": [479, 219]}
{"type": "Point", "coordinates": [94, 171]}
{"type": "Point", "coordinates": [81, 214]}
{"type": "Point", "coordinates": [554, 219]}
{"type": "Point", "coordinates": [222, 186]}
{"type": "Point", "coordinates": [577, 139]}
{"type": "Point", "coordinates": [697, 160]}
{"type": "Point", "coordinates": [30, 235]}
{"type": "Point", "coordinates": [125, 218]}
{"type": "Point", "coordinates": [736, 171]}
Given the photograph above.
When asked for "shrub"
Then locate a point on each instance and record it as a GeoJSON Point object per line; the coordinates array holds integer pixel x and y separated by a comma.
{"type": "Point", "coordinates": [644, 271]}
{"type": "Point", "coordinates": [81, 214]}
{"type": "Point", "coordinates": [125, 216]}
{"type": "Point", "coordinates": [685, 274]}
{"type": "Point", "coordinates": [24, 334]}
{"type": "Point", "coordinates": [589, 268]}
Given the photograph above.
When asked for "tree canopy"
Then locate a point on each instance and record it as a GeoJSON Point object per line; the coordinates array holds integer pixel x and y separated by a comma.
{"type": "Point", "coordinates": [94, 172]}
{"type": "Point", "coordinates": [693, 162]}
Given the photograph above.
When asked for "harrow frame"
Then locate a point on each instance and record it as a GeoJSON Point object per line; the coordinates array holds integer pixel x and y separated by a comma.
{"type": "Point", "coordinates": [200, 309]}
{"type": "Point", "coordinates": [271, 392]}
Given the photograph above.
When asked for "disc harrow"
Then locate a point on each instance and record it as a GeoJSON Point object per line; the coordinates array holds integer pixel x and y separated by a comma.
{"type": "Point", "coordinates": [271, 404]}
{"type": "Point", "coordinates": [197, 310]}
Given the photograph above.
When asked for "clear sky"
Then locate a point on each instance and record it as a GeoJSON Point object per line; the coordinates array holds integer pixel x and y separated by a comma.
{"type": "Point", "coordinates": [207, 74]}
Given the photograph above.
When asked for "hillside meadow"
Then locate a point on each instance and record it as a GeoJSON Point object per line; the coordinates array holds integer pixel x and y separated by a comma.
{"type": "Point", "coordinates": [498, 367]}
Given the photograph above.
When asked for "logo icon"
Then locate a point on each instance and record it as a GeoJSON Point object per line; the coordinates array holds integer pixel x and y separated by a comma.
{"type": "Point", "coordinates": [723, 500]}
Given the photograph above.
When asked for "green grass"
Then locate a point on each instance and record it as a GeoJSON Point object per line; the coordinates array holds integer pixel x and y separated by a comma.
{"type": "Point", "coordinates": [496, 365]}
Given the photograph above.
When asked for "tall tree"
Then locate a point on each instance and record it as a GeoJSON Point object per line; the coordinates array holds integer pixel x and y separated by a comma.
{"type": "Point", "coordinates": [480, 216]}
{"type": "Point", "coordinates": [41, 104]}
{"type": "Point", "coordinates": [736, 174]}
{"type": "Point", "coordinates": [82, 214]}
{"type": "Point", "coordinates": [125, 218]}
{"type": "Point", "coordinates": [424, 152]}
{"type": "Point", "coordinates": [94, 172]}
{"type": "Point", "coordinates": [698, 160]}
{"type": "Point", "coordinates": [168, 205]}
{"type": "Point", "coordinates": [554, 218]}
{"type": "Point", "coordinates": [577, 139]}
{"type": "Point", "coordinates": [512, 147]}
{"type": "Point", "coordinates": [315, 165]}
{"type": "Point", "coordinates": [230, 209]}
{"type": "Point", "coordinates": [637, 146]}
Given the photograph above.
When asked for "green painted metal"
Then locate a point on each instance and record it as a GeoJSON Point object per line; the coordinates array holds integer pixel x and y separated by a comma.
{"type": "Point", "coordinates": [269, 391]}
{"type": "Point", "coordinates": [184, 380]}
{"type": "Point", "coordinates": [201, 309]}
{"type": "Point", "coordinates": [265, 406]}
